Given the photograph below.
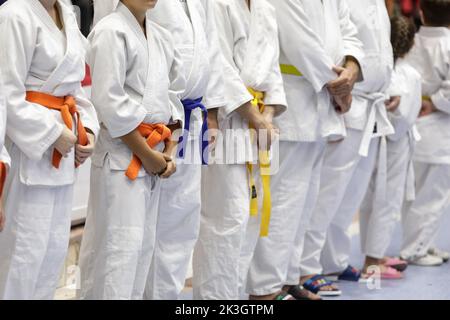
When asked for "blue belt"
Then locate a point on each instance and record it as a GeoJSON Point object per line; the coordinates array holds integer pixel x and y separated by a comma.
{"type": "Point", "coordinates": [189, 106]}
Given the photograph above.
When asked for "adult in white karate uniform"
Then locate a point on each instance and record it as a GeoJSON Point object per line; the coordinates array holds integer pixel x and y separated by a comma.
{"type": "Point", "coordinates": [192, 25]}
{"type": "Point", "coordinates": [315, 38]}
{"type": "Point", "coordinates": [40, 58]}
{"type": "Point", "coordinates": [137, 79]}
{"type": "Point", "coordinates": [378, 217]}
{"type": "Point", "coordinates": [225, 185]}
{"type": "Point", "coordinates": [430, 56]}
{"type": "Point", "coordinates": [349, 163]}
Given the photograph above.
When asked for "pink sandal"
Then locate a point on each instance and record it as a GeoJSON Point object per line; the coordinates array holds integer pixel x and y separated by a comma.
{"type": "Point", "coordinates": [388, 274]}
{"type": "Point", "coordinates": [396, 263]}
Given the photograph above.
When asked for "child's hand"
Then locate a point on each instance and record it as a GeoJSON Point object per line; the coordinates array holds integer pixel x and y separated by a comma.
{"type": "Point", "coordinates": [213, 126]}
{"type": "Point", "coordinates": [427, 108]}
{"type": "Point", "coordinates": [392, 104]}
{"type": "Point", "coordinates": [171, 167]}
{"type": "Point", "coordinates": [267, 129]}
{"type": "Point", "coordinates": [65, 142]}
{"type": "Point", "coordinates": [155, 164]}
{"type": "Point", "coordinates": [84, 152]}
{"type": "Point", "coordinates": [269, 112]}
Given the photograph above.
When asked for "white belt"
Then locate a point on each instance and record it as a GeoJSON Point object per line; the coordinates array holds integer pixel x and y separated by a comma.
{"type": "Point", "coordinates": [377, 107]}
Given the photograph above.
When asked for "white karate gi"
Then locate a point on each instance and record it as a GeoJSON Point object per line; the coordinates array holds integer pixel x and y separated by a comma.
{"type": "Point", "coordinates": [378, 217]}
{"type": "Point", "coordinates": [195, 35]}
{"type": "Point", "coordinates": [314, 37]}
{"type": "Point", "coordinates": [430, 56]}
{"type": "Point", "coordinates": [37, 56]}
{"type": "Point", "coordinates": [134, 80]}
{"type": "Point", "coordinates": [349, 164]}
{"type": "Point", "coordinates": [250, 45]}
{"type": "Point", "coordinates": [4, 156]}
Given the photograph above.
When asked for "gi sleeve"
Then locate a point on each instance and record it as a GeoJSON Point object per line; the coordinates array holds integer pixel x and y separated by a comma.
{"type": "Point", "coordinates": [87, 111]}
{"type": "Point", "coordinates": [4, 157]}
{"type": "Point", "coordinates": [353, 47]}
{"type": "Point", "coordinates": [176, 88]}
{"type": "Point", "coordinates": [441, 98]}
{"type": "Point", "coordinates": [301, 45]}
{"type": "Point", "coordinates": [214, 97]}
{"type": "Point", "coordinates": [108, 61]}
{"type": "Point", "coordinates": [30, 126]}
{"type": "Point", "coordinates": [276, 95]}
{"type": "Point", "coordinates": [235, 90]}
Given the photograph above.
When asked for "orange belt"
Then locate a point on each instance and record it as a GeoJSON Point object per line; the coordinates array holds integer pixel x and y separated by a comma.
{"type": "Point", "coordinates": [2, 177]}
{"type": "Point", "coordinates": [155, 134]}
{"type": "Point", "coordinates": [68, 108]}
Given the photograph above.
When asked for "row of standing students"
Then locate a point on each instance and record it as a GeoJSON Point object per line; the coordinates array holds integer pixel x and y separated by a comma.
{"type": "Point", "coordinates": [319, 75]}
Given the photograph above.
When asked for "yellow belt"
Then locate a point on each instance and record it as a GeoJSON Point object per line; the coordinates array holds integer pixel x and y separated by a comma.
{"type": "Point", "coordinates": [264, 166]}
{"type": "Point", "coordinates": [426, 98]}
{"type": "Point", "coordinates": [290, 70]}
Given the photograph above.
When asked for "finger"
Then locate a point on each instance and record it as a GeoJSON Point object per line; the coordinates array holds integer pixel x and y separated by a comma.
{"type": "Point", "coordinates": [88, 148]}
{"type": "Point", "coordinates": [79, 161]}
{"type": "Point", "coordinates": [167, 173]}
{"type": "Point", "coordinates": [341, 91]}
{"type": "Point", "coordinates": [84, 150]}
{"type": "Point", "coordinates": [163, 170]}
{"type": "Point", "coordinates": [338, 69]}
{"type": "Point", "coordinates": [337, 83]}
{"type": "Point", "coordinates": [345, 87]}
{"type": "Point", "coordinates": [167, 157]}
{"type": "Point", "coordinates": [84, 153]}
{"type": "Point", "coordinates": [82, 159]}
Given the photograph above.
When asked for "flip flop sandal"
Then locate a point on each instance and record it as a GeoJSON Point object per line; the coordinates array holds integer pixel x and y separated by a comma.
{"type": "Point", "coordinates": [391, 274]}
{"type": "Point", "coordinates": [284, 296]}
{"type": "Point", "coordinates": [317, 282]}
{"type": "Point", "coordinates": [396, 263]}
{"type": "Point", "coordinates": [300, 293]}
{"type": "Point", "coordinates": [349, 274]}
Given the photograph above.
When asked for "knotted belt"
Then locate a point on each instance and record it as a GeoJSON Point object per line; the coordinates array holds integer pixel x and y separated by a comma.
{"type": "Point", "coordinates": [189, 106]}
{"type": "Point", "coordinates": [68, 109]}
{"type": "Point", "coordinates": [264, 165]}
{"type": "Point", "coordinates": [154, 134]}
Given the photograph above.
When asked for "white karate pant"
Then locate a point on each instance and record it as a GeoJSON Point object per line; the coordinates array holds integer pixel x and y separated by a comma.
{"type": "Point", "coordinates": [224, 215]}
{"type": "Point", "coordinates": [119, 235]}
{"type": "Point", "coordinates": [344, 180]}
{"type": "Point", "coordinates": [421, 217]}
{"type": "Point", "coordinates": [177, 227]}
{"type": "Point", "coordinates": [378, 218]}
{"type": "Point", "coordinates": [35, 240]}
{"type": "Point", "coordinates": [269, 259]}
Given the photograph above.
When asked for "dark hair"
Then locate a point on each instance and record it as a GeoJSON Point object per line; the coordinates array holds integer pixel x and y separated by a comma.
{"type": "Point", "coordinates": [402, 35]}
{"type": "Point", "coordinates": [436, 13]}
